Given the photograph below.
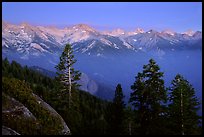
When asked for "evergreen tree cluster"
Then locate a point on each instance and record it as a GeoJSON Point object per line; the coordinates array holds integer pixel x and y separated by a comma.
{"type": "Point", "coordinates": [156, 109]}
{"type": "Point", "coordinates": [152, 112]}
{"type": "Point", "coordinates": [86, 116]}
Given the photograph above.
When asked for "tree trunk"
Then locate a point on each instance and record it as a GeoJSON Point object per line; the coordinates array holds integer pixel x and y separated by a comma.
{"type": "Point", "coordinates": [182, 131]}
{"type": "Point", "coordinates": [70, 84]}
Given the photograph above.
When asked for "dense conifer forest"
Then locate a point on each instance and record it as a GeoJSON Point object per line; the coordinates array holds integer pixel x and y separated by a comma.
{"type": "Point", "coordinates": [146, 112]}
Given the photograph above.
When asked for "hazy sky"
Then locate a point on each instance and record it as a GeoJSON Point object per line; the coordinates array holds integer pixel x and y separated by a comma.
{"type": "Point", "coordinates": [178, 16]}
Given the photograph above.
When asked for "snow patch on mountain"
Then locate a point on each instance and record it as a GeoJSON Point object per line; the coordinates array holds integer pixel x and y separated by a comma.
{"type": "Point", "coordinates": [105, 41]}
{"type": "Point", "coordinates": [39, 40]}
{"type": "Point", "coordinates": [189, 32]}
{"type": "Point", "coordinates": [37, 46]}
{"type": "Point", "coordinates": [88, 47]}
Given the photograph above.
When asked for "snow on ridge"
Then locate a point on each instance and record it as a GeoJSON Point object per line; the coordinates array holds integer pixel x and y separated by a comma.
{"type": "Point", "coordinates": [6, 45]}
{"type": "Point", "coordinates": [37, 46]}
{"type": "Point", "coordinates": [44, 35]}
{"type": "Point", "coordinates": [19, 49]}
{"type": "Point", "coordinates": [44, 45]}
{"type": "Point", "coordinates": [91, 45]}
{"type": "Point", "coordinates": [115, 46]}
{"type": "Point", "coordinates": [76, 37]}
{"type": "Point", "coordinates": [60, 36]}
{"type": "Point", "coordinates": [105, 41]}
{"type": "Point", "coordinates": [127, 45]}
{"type": "Point", "coordinates": [88, 47]}
{"type": "Point", "coordinates": [189, 32]}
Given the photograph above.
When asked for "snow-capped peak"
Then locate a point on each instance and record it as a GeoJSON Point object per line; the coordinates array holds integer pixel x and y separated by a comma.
{"type": "Point", "coordinates": [189, 32]}
{"type": "Point", "coordinates": [83, 27]}
{"type": "Point", "coordinates": [168, 31]}
{"type": "Point", "coordinates": [117, 32]}
{"type": "Point", "coordinates": [25, 38]}
{"type": "Point", "coordinates": [27, 26]}
{"type": "Point", "coordinates": [139, 30]}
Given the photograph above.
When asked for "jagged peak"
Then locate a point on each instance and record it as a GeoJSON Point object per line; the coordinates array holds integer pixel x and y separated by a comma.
{"type": "Point", "coordinates": [139, 30]}
{"type": "Point", "coordinates": [189, 32]}
{"type": "Point", "coordinates": [168, 31]}
{"type": "Point", "coordinates": [152, 31]}
{"type": "Point", "coordinates": [84, 27]}
{"type": "Point", "coordinates": [25, 24]}
{"type": "Point", "coordinates": [197, 34]}
{"type": "Point", "coordinates": [117, 32]}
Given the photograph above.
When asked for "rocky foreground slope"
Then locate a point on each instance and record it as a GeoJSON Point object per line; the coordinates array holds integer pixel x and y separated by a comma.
{"type": "Point", "coordinates": [25, 113]}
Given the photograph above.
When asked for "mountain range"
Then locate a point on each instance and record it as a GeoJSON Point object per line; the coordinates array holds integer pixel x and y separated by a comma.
{"type": "Point", "coordinates": [104, 57]}
{"type": "Point", "coordinates": [26, 39]}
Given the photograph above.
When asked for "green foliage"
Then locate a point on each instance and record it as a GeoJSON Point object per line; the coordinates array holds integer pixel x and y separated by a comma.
{"type": "Point", "coordinates": [14, 120]}
{"type": "Point", "coordinates": [23, 125]}
{"type": "Point", "coordinates": [66, 73]}
{"type": "Point", "coordinates": [21, 91]}
{"type": "Point", "coordinates": [130, 126]}
{"type": "Point", "coordinates": [67, 61]}
{"type": "Point", "coordinates": [183, 107]}
{"type": "Point", "coordinates": [147, 97]}
{"type": "Point", "coordinates": [90, 115]}
{"type": "Point", "coordinates": [87, 116]}
{"type": "Point", "coordinates": [40, 84]}
{"type": "Point", "coordinates": [116, 115]}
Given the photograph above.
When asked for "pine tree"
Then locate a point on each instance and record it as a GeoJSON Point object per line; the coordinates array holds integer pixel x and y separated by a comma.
{"type": "Point", "coordinates": [117, 112]}
{"type": "Point", "coordinates": [66, 73]}
{"type": "Point", "coordinates": [118, 98]}
{"type": "Point", "coordinates": [148, 97]}
{"type": "Point", "coordinates": [183, 106]}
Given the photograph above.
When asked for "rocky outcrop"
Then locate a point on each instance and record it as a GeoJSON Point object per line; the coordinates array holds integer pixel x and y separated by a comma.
{"type": "Point", "coordinates": [8, 131]}
{"type": "Point", "coordinates": [16, 108]}
{"type": "Point", "coordinates": [16, 116]}
{"type": "Point", "coordinates": [66, 130]}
